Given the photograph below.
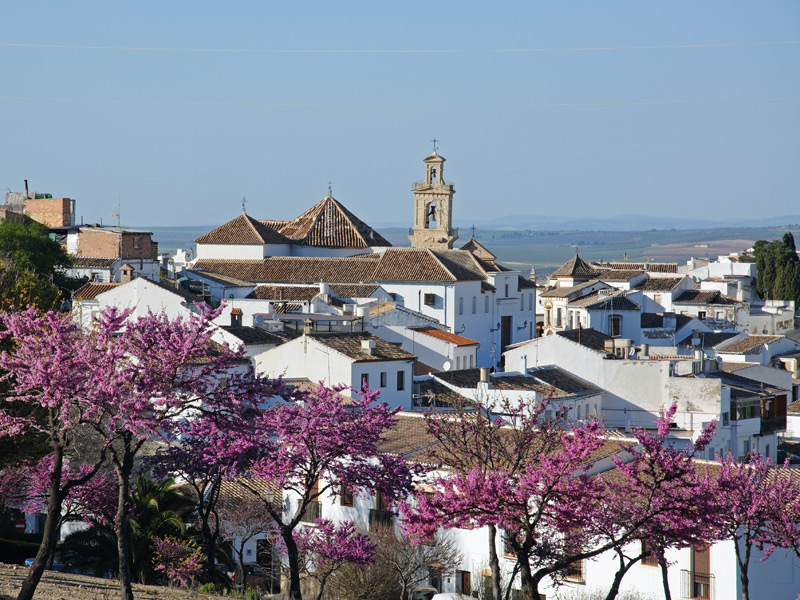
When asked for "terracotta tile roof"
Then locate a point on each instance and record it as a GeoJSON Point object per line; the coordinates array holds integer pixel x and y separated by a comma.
{"type": "Point", "coordinates": [92, 290]}
{"type": "Point", "coordinates": [642, 266]}
{"type": "Point", "coordinates": [463, 265]}
{"type": "Point", "coordinates": [563, 292]}
{"type": "Point", "coordinates": [479, 250]}
{"type": "Point", "coordinates": [576, 267]}
{"type": "Point", "coordinates": [659, 284]}
{"type": "Point", "coordinates": [177, 290]}
{"type": "Point", "coordinates": [703, 297]}
{"type": "Point", "coordinates": [422, 264]}
{"type": "Point", "coordinates": [241, 488]}
{"type": "Point", "coordinates": [563, 380]}
{"type": "Point", "coordinates": [617, 302]}
{"type": "Point", "coordinates": [589, 337]}
{"type": "Point", "coordinates": [408, 436]}
{"type": "Point", "coordinates": [488, 287]}
{"type": "Point", "coordinates": [301, 293]}
{"type": "Point", "coordinates": [92, 261]}
{"type": "Point", "coordinates": [354, 290]}
{"type": "Point", "coordinates": [656, 320]}
{"type": "Point", "coordinates": [752, 344]}
{"type": "Point", "coordinates": [469, 378]}
{"type": "Point", "coordinates": [329, 224]}
{"type": "Point", "coordinates": [244, 229]}
{"type": "Point", "coordinates": [710, 339]}
{"type": "Point", "coordinates": [525, 284]}
{"type": "Point", "coordinates": [296, 269]}
{"type": "Point", "coordinates": [446, 336]}
{"type": "Point", "coordinates": [286, 307]}
{"type": "Point", "coordinates": [794, 408]}
{"type": "Point", "coordinates": [617, 275]}
{"type": "Point", "coordinates": [216, 277]}
{"type": "Point", "coordinates": [349, 344]}
{"type": "Point", "coordinates": [732, 367]}
{"type": "Point", "coordinates": [430, 393]}
{"type": "Point", "coordinates": [420, 368]}
{"type": "Point", "coordinates": [255, 335]}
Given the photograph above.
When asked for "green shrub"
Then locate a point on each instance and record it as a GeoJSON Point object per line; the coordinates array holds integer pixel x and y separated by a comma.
{"type": "Point", "coordinates": [16, 551]}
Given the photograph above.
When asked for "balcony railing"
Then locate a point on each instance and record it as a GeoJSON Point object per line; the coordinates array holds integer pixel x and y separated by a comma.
{"type": "Point", "coordinates": [380, 518]}
{"type": "Point", "coordinates": [697, 586]}
{"type": "Point", "coordinates": [312, 513]}
{"type": "Point", "coordinates": [773, 424]}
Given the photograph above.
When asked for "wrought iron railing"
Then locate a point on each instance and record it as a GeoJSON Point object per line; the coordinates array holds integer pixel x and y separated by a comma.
{"type": "Point", "coordinates": [312, 513]}
{"type": "Point", "coordinates": [380, 518]}
{"type": "Point", "coordinates": [697, 586]}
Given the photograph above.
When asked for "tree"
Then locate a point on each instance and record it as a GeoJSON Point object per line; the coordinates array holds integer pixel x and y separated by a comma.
{"type": "Point", "coordinates": [757, 505]}
{"type": "Point", "coordinates": [130, 382]}
{"type": "Point", "coordinates": [20, 288]}
{"type": "Point", "coordinates": [539, 491]}
{"type": "Point", "coordinates": [178, 559]}
{"type": "Point", "coordinates": [778, 269]}
{"type": "Point", "coordinates": [241, 518]}
{"type": "Point", "coordinates": [29, 246]}
{"type": "Point", "coordinates": [313, 446]}
{"type": "Point", "coordinates": [326, 548]}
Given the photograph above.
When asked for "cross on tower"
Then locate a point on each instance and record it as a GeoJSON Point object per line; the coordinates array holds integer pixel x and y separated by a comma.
{"type": "Point", "coordinates": [244, 204]}
{"type": "Point", "coordinates": [435, 147]}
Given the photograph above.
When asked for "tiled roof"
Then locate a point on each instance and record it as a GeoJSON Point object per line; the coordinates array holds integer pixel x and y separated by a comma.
{"type": "Point", "coordinates": [732, 367]}
{"type": "Point", "coordinates": [659, 284]}
{"type": "Point", "coordinates": [656, 320]}
{"type": "Point", "coordinates": [642, 266]}
{"type": "Point", "coordinates": [420, 368]}
{"type": "Point", "coordinates": [244, 229]}
{"type": "Point", "coordinates": [563, 292]}
{"type": "Point", "coordinates": [423, 264]}
{"type": "Point", "coordinates": [598, 300]}
{"type": "Point", "coordinates": [591, 338]}
{"type": "Point", "coordinates": [446, 336]}
{"type": "Point", "coordinates": [615, 275]}
{"type": "Point", "coordinates": [744, 384]}
{"type": "Point", "coordinates": [576, 267]}
{"type": "Point", "coordinates": [562, 380]}
{"type": "Point", "coordinates": [177, 290]}
{"type": "Point", "coordinates": [92, 290]}
{"type": "Point", "coordinates": [752, 344]}
{"type": "Point", "coordinates": [526, 284]}
{"type": "Point", "coordinates": [329, 224]}
{"type": "Point", "coordinates": [354, 290]}
{"type": "Point", "coordinates": [794, 408]}
{"type": "Point", "coordinates": [703, 297]}
{"type": "Point", "coordinates": [92, 261]}
{"type": "Point", "coordinates": [349, 344]}
{"type": "Point", "coordinates": [255, 335]}
{"type": "Point", "coordinates": [409, 435]}
{"type": "Point", "coordinates": [296, 269]}
{"type": "Point", "coordinates": [487, 287]}
{"type": "Point", "coordinates": [469, 379]}
{"type": "Point", "coordinates": [709, 339]}
{"type": "Point", "coordinates": [243, 487]}
{"type": "Point", "coordinates": [225, 280]}
{"type": "Point", "coordinates": [286, 307]}
{"type": "Point", "coordinates": [478, 250]}
{"type": "Point", "coordinates": [430, 393]}
{"type": "Point", "coordinates": [301, 293]}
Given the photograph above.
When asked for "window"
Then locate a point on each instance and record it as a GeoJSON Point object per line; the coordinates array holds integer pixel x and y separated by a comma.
{"type": "Point", "coordinates": [649, 558]}
{"type": "Point", "coordinates": [430, 299]}
{"type": "Point", "coordinates": [578, 412]}
{"type": "Point", "coordinates": [614, 325]}
{"type": "Point", "coordinates": [522, 302]}
{"type": "Point", "coordinates": [461, 305]}
{"type": "Point", "coordinates": [383, 379]}
{"type": "Point", "coordinates": [137, 242]}
{"type": "Point", "coordinates": [530, 301]}
{"type": "Point", "coordinates": [474, 305]}
{"type": "Point", "coordinates": [574, 572]}
{"type": "Point", "coordinates": [701, 314]}
{"type": "Point", "coordinates": [725, 419]}
{"type": "Point", "coordinates": [345, 496]}
{"type": "Point", "coordinates": [558, 317]}
{"type": "Point", "coordinates": [721, 315]}
{"type": "Point", "coordinates": [657, 298]}
{"type": "Point", "coordinates": [745, 447]}
{"type": "Point", "coordinates": [486, 304]}
{"type": "Point", "coordinates": [401, 380]}
{"type": "Point", "coordinates": [506, 290]}
{"type": "Point", "coordinates": [471, 363]}
{"type": "Point", "coordinates": [458, 363]}
{"type": "Point", "coordinates": [364, 381]}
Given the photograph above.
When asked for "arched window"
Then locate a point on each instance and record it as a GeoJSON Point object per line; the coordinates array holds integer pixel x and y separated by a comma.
{"type": "Point", "coordinates": [530, 301]}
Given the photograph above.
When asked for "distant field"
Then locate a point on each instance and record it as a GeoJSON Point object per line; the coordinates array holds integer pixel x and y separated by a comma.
{"type": "Point", "coordinates": [547, 249]}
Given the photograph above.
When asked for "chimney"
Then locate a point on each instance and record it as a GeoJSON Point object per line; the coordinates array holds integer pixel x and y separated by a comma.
{"type": "Point", "coordinates": [27, 195]}
{"type": "Point", "coordinates": [368, 346]}
{"type": "Point", "coordinates": [125, 273]}
{"type": "Point", "coordinates": [645, 352]}
{"type": "Point", "coordinates": [307, 326]}
{"type": "Point", "coordinates": [236, 317]}
{"type": "Point", "coordinates": [485, 382]}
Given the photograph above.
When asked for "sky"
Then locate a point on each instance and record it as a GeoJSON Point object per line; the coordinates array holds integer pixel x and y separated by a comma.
{"type": "Point", "coordinates": [177, 109]}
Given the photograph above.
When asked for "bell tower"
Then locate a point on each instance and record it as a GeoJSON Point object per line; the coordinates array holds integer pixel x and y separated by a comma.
{"type": "Point", "coordinates": [433, 208]}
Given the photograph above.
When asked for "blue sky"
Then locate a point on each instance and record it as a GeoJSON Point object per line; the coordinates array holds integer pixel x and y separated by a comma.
{"type": "Point", "coordinates": [180, 137]}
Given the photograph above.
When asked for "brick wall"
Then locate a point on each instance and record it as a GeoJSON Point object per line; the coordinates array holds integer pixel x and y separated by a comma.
{"type": "Point", "coordinates": [52, 212]}
{"type": "Point", "coordinates": [98, 242]}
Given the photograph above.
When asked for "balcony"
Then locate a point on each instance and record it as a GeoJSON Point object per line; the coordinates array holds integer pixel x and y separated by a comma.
{"type": "Point", "coordinates": [773, 424]}
{"type": "Point", "coordinates": [697, 586]}
{"type": "Point", "coordinates": [379, 519]}
{"type": "Point", "coordinates": [312, 513]}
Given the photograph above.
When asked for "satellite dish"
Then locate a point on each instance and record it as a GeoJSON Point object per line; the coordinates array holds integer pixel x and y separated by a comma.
{"type": "Point", "coordinates": [631, 352]}
{"type": "Point", "coordinates": [259, 319]}
{"type": "Point", "coordinates": [447, 365]}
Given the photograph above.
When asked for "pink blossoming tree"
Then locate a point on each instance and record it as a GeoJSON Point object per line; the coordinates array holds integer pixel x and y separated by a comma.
{"type": "Point", "coordinates": [319, 444]}
{"type": "Point", "coordinates": [178, 560]}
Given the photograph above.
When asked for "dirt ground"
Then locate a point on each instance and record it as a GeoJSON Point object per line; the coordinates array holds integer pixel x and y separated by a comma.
{"type": "Point", "coordinates": [65, 586]}
{"type": "Point", "coordinates": [683, 251]}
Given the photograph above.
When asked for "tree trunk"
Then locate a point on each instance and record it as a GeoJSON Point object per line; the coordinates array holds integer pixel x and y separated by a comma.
{"type": "Point", "coordinates": [662, 562]}
{"type": "Point", "coordinates": [122, 526]}
{"type": "Point", "coordinates": [494, 564]}
{"type": "Point", "coordinates": [50, 534]}
{"type": "Point", "coordinates": [240, 554]}
{"type": "Point", "coordinates": [529, 585]}
{"type": "Point", "coordinates": [613, 592]}
{"type": "Point", "coordinates": [744, 564]}
{"type": "Point", "coordinates": [294, 564]}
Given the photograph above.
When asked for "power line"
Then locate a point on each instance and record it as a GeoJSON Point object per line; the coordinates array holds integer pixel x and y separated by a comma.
{"type": "Point", "coordinates": [402, 106]}
{"type": "Point", "coordinates": [401, 51]}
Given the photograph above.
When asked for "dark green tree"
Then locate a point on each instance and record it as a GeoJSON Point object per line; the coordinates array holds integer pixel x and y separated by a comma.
{"type": "Point", "coordinates": [778, 269]}
{"type": "Point", "coordinates": [30, 247]}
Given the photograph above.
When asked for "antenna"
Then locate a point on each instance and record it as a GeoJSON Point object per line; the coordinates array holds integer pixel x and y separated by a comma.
{"type": "Point", "coordinates": [119, 210]}
{"type": "Point", "coordinates": [435, 147]}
